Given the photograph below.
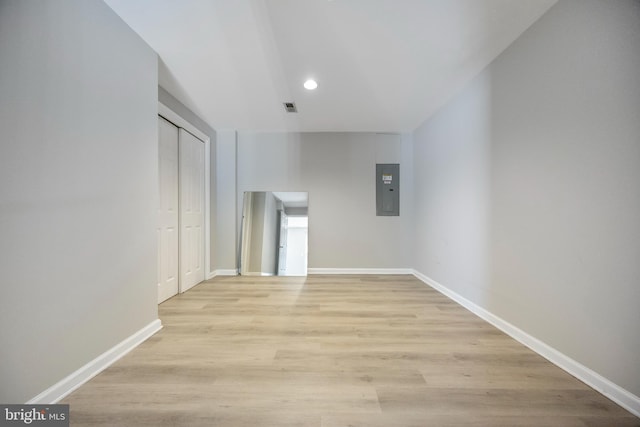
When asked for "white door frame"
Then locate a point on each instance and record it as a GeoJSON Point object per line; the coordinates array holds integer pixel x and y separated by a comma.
{"type": "Point", "coordinates": [177, 120]}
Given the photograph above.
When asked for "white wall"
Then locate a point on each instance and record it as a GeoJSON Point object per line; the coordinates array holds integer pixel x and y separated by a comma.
{"type": "Point", "coordinates": [338, 171]}
{"type": "Point", "coordinates": [78, 189]}
{"type": "Point", "coordinates": [526, 187]}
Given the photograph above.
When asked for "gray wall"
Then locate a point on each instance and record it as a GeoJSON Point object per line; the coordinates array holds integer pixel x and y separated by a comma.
{"type": "Point", "coordinates": [226, 245]}
{"type": "Point", "coordinates": [264, 224]}
{"type": "Point", "coordinates": [78, 189]}
{"type": "Point", "coordinates": [257, 232]}
{"type": "Point", "coordinates": [338, 171]}
{"type": "Point", "coordinates": [269, 237]}
{"type": "Point", "coordinates": [526, 187]}
{"type": "Point", "coordinates": [177, 107]}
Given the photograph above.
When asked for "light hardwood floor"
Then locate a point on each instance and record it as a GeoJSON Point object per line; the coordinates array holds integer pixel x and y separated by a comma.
{"type": "Point", "coordinates": [331, 351]}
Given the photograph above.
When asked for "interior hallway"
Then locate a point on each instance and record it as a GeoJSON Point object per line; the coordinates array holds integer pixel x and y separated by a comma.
{"type": "Point", "coordinates": [333, 351]}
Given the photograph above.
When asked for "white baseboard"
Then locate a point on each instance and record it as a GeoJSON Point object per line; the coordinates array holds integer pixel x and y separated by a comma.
{"type": "Point", "coordinates": [359, 271]}
{"type": "Point", "coordinates": [223, 272]}
{"type": "Point", "coordinates": [67, 385]}
{"type": "Point", "coordinates": [257, 273]}
{"type": "Point", "coordinates": [622, 397]}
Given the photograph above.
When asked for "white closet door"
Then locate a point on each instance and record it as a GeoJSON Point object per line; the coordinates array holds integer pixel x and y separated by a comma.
{"type": "Point", "coordinates": [191, 210]}
{"type": "Point", "coordinates": [167, 210]}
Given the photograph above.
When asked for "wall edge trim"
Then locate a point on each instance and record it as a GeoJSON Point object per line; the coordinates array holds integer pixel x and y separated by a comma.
{"type": "Point", "coordinates": [606, 387]}
{"type": "Point", "coordinates": [72, 382]}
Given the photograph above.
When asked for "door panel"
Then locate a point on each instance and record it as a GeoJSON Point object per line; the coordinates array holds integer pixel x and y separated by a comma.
{"type": "Point", "coordinates": [167, 210]}
{"type": "Point", "coordinates": [191, 210]}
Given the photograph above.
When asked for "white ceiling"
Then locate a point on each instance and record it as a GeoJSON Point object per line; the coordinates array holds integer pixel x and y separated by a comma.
{"type": "Point", "coordinates": [381, 65]}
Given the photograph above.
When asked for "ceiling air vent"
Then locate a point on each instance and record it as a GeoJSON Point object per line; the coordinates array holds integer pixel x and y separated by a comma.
{"type": "Point", "coordinates": [290, 107]}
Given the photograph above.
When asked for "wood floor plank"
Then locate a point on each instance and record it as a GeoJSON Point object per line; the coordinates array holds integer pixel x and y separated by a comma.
{"type": "Point", "coordinates": [475, 401]}
{"type": "Point", "coordinates": [333, 351]}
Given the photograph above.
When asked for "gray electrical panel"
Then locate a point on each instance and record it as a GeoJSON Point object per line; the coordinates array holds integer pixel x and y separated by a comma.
{"type": "Point", "coordinates": [388, 189]}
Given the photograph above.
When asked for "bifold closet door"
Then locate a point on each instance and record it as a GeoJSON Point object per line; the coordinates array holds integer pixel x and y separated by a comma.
{"type": "Point", "coordinates": [168, 241]}
{"type": "Point", "coordinates": [191, 172]}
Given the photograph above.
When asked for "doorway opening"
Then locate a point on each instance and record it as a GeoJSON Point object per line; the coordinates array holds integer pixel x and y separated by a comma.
{"type": "Point", "coordinates": [292, 248]}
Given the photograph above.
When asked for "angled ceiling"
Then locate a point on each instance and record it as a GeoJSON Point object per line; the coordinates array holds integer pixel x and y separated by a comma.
{"type": "Point", "coordinates": [381, 65]}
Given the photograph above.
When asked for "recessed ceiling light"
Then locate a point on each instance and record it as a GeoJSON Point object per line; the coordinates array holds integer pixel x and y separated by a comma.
{"type": "Point", "coordinates": [310, 84]}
